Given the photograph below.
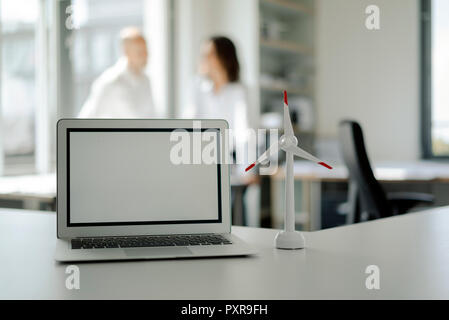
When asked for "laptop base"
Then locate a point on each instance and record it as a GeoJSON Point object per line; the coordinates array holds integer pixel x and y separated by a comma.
{"type": "Point", "coordinates": [64, 252]}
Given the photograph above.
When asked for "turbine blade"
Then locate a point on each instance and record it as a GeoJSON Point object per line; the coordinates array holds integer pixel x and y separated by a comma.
{"type": "Point", "coordinates": [273, 148]}
{"type": "Point", "coordinates": [288, 128]}
{"type": "Point", "coordinates": [297, 151]}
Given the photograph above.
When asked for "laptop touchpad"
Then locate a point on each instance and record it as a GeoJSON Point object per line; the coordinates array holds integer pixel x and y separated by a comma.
{"type": "Point", "coordinates": [158, 252]}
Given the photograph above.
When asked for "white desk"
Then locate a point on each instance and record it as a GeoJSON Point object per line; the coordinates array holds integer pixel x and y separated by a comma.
{"type": "Point", "coordinates": [411, 251]}
{"type": "Point", "coordinates": [311, 176]}
{"type": "Point", "coordinates": [387, 171]}
{"type": "Point", "coordinates": [36, 189]}
{"type": "Point", "coordinates": [33, 190]}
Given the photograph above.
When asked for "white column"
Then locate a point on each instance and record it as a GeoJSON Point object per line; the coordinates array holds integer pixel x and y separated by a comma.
{"type": "Point", "coordinates": [1, 112]}
{"type": "Point", "coordinates": [42, 151]}
{"type": "Point", "coordinates": [289, 194]}
{"type": "Point", "coordinates": [157, 31]}
{"type": "Point", "coordinates": [183, 51]}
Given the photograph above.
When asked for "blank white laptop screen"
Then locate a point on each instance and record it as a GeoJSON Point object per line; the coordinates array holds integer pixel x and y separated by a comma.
{"type": "Point", "coordinates": [126, 176]}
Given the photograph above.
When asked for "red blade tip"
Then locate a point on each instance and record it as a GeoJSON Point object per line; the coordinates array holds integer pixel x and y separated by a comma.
{"type": "Point", "coordinates": [250, 167]}
{"type": "Point", "coordinates": [325, 165]}
{"type": "Point", "coordinates": [285, 97]}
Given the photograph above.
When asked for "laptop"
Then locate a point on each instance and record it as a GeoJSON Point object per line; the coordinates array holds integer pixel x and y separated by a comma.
{"type": "Point", "coordinates": [143, 189]}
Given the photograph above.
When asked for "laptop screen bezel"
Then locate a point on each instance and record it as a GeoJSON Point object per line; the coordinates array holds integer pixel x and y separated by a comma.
{"type": "Point", "coordinates": [122, 223]}
{"type": "Point", "coordinates": [65, 229]}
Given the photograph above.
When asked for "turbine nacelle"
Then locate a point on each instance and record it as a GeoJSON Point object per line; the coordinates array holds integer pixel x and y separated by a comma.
{"type": "Point", "coordinates": [288, 141]}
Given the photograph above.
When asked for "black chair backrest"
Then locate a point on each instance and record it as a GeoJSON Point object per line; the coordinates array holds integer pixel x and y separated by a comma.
{"type": "Point", "coordinates": [372, 196]}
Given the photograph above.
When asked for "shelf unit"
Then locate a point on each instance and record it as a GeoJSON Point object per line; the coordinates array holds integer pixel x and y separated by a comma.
{"type": "Point", "coordinates": [304, 92]}
{"type": "Point", "coordinates": [285, 47]}
{"type": "Point", "coordinates": [286, 62]}
{"type": "Point", "coordinates": [287, 6]}
{"type": "Point", "coordinates": [286, 50]}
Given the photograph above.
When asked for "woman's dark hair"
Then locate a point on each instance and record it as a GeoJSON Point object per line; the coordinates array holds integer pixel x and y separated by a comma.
{"type": "Point", "coordinates": [227, 54]}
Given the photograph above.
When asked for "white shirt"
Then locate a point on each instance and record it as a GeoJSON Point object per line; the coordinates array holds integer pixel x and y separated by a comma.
{"type": "Point", "coordinates": [119, 93]}
{"type": "Point", "coordinates": [230, 103]}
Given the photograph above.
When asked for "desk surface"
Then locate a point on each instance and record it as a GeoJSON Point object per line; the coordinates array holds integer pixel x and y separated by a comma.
{"type": "Point", "coordinates": [388, 171]}
{"type": "Point", "coordinates": [411, 251]}
{"type": "Point", "coordinates": [42, 186]}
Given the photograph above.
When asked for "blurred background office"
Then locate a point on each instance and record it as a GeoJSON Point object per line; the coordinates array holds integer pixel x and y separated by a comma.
{"type": "Point", "coordinates": [392, 80]}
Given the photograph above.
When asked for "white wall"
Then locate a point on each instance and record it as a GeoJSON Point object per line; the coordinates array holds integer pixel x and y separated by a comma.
{"type": "Point", "coordinates": [156, 29]}
{"type": "Point", "coordinates": [370, 76]}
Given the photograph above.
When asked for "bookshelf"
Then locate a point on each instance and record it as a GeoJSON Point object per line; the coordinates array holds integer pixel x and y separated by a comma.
{"type": "Point", "coordinates": [287, 6]}
{"type": "Point", "coordinates": [286, 60]}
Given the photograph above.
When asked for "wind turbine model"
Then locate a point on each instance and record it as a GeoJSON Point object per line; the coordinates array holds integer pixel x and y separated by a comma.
{"type": "Point", "coordinates": [288, 238]}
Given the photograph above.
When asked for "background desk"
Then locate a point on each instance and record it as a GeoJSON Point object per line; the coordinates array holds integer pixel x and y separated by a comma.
{"type": "Point", "coordinates": [34, 192]}
{"type": "Point", "coordinates": [412, 252]}
{"type": "Point", "coordinates": [38, 192]}
{"type": "Point", "coordinates": [311, 180]}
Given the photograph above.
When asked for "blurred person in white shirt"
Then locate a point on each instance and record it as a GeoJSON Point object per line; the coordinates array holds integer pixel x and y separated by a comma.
{"type": "Point", "coordinates": [123, 90]}
{"type": "Point", "coordinates": [218, 92]}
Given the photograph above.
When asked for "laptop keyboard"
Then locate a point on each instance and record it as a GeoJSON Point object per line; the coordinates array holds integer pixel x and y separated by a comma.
{"type": "Point", "coordinates": [149, 241]}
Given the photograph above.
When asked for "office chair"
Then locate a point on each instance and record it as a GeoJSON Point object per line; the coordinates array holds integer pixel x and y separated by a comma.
{"type": "Point", "coordinates": [367, 199]}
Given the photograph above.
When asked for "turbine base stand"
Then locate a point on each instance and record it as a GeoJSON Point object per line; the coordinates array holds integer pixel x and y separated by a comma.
{"type": "Point", "coordinates": [289, 240]}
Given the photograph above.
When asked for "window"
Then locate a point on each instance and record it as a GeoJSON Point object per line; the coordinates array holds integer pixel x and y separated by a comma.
{"type": "Point", "coordinates": [435, 77]}
{"type": "Point", "coordinates": [50, 54]}
{"type": "Point", "coordinates": [18, 81]}
{"type": "Point", "coordinates": [91, 44]}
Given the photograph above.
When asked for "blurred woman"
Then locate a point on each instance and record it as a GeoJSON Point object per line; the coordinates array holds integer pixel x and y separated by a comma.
{"type": "Point", "coordinates": [219, 94]}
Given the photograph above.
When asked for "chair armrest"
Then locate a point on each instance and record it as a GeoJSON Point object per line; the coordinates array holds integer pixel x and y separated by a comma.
{"type": "Point", "coordinates": [401, 202]}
